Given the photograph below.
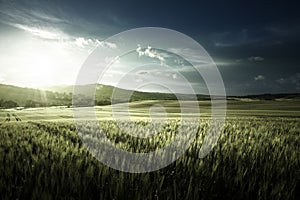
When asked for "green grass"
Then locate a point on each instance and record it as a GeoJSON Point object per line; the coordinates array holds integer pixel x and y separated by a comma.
{"type": "Point", "coordinates": [257, 156]}
{"type": "Point", "coordinates": [140, 110]}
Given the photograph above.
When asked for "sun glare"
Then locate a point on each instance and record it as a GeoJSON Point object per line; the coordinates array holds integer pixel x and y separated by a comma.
{"type": "Point", "coordinates": [38, 69]}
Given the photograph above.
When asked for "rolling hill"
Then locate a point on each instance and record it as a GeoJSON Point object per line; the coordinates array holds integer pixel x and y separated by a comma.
{"type": "Point", "coordinates": [13, 96]}
{"type": "Point", "coordinates": [29, 97]}
{"type": "Point", "coordinates": [62, 95]}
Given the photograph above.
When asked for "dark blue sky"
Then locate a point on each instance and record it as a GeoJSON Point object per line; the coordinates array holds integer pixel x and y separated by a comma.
{"type": "Point", "coordinates": [255, 44]}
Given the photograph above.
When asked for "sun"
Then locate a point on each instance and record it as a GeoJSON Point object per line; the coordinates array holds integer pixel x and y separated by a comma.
{"type": "Point", "coordinates": [38, 69]}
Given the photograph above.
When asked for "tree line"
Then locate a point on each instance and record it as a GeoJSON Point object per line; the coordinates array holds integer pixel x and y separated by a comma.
{"type": "Point", "coordinates": [8, 104]}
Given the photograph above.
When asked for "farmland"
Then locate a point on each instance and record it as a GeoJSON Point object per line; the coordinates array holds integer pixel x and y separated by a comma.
{"type": "Point", "coordinates": [257, 155]}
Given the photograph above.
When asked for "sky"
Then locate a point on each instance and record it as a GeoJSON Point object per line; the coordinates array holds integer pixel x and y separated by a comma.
{"type": "Point", "coordinates": [254, 45]}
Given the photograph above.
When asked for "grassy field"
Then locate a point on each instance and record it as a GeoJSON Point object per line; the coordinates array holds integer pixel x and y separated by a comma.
{"type": "Point", "coordinates": [257, 155]}
{"type": "Point", "coordinates": [140, 110]}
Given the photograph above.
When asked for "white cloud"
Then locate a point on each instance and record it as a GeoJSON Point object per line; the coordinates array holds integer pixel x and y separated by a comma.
{"type": "Point", "coordinates": [256, 58]}
{"type": "Point", "coordinates": [149, 52]}
{"type": "Point", "coordinates": [45, 16]}
{"type": "Point", "coordinates": [42, 33]}
{"type": "Point", "coordinates": [224, 63]}
{"type": "Point", "coordinates": [57, 35]}
{"type": "Point", "coordinates": [68, 41]}
{"type": "Point", "coordinates": [81, 42]}
{"type": "Point", "coordinates": [29, 15]}
{"type": "Point", "coordinates": [199, 59]}
{"type": "Point", "coordinates": [93, 43]}
{"type": "Point", "coordinates": [106, 44]}
{"type": "Point", "coordinates": [195, 57]}
{"type": "Point", "coordinates": [259, 78]}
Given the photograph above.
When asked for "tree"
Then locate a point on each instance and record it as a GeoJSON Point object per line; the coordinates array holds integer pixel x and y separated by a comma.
{"type": "Point", "coordinates": [103, 102]}
{"type": "Point", "coordinates": [30, 104]}
{"type": "Point", "coordinates": [9, 104]}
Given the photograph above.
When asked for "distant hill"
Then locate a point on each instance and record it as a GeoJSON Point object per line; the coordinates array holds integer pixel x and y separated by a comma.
{"type": "Point", "coordinates": [59, 88]}
{"type": "Point", "coordinates": [30, 97]}
{"type": "Point", "coordinates": [104, 93]}
{"type": "Point", "coordinates": [272, 96]}
{"type": "Point", "coordinates": [12, 96]}
{"type": "Point", "coordinates": [62, 95]}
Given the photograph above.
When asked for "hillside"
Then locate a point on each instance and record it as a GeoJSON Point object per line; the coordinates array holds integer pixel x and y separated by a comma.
{"type": "Point", "coordinates": [105, 92]}
{"type": "Point", "coordinates": [13, 96]}
{"type": "Point", "coordinates": [30, 97]}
